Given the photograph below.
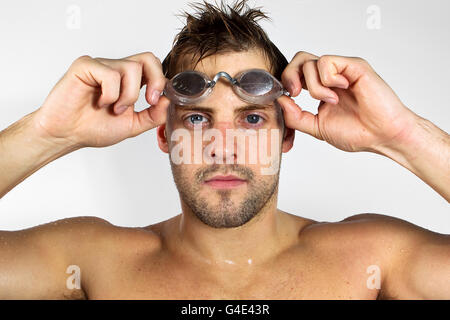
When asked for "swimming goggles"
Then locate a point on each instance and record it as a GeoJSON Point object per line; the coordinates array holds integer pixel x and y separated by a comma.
{"type": "Point", "coordinates": [255, 86]}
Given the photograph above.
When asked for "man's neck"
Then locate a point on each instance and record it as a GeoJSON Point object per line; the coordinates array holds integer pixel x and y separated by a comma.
{"type": "Point", "coordinates": [253, 243]}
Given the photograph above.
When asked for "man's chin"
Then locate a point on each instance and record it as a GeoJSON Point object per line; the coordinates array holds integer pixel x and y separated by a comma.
{"type": "Point", "coordinates": [223, 199]}
{"type": "Point", "coordinates": [222, 211]}
{"type": "Point", "coordinates": [224, 219]}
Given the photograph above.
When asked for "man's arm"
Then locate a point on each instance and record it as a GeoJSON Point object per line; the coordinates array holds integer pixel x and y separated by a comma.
{"type": "Point", "coordinates": [24, 150]}
{"type": "Point", "coordinates": [52, 261]}
{"type": "Point", "coordinates": [88, 107]}
{"type": "Point", "coordinates": [425, 151]}
{"type": "Point", "coordinates": [360, 112]}
{"type": "Point", "coordinates": [415, 261]}
{"type": "Point", "coordinates": [91, 106]}
{"type": "Point", "coordinates": [420, 267]}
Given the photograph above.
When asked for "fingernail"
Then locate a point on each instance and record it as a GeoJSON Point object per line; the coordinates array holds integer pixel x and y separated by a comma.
{"type": "Point", "coordinates": [342, 85]}
{"type": "Point", "coordinates": [155, 97]}
{"type": "Point", "coordinates": [291, 88]}
{"type": "Point", "coordinates": [121, 109]}
{"type": "Point", "coordinates": [330, 100]}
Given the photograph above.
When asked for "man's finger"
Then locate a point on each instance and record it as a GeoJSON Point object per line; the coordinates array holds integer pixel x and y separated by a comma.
{"type": "Point", "coordinates": [341, 72]}
{"type": "Point", "coordinates": [152, 75]}
{"type": "Point", "coordinates": [151, 117]}
{"type": "Point", "coordinates": [298, 119]}
{"type": "Point", "coordinates": [315, 86]}
{"type": "Point", "coordinates": [95, 73]}
{"type": "Point", "coordinates": [130, 85]}
{"type": "Point", "coordinates": [293, 73]}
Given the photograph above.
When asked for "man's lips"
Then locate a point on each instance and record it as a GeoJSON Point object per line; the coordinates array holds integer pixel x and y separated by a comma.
{"type": "Point", "coordinates": [225, 182]}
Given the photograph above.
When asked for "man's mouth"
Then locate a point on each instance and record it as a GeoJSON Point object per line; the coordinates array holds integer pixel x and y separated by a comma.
{"type": "Point", "coordinates": [225, 182]}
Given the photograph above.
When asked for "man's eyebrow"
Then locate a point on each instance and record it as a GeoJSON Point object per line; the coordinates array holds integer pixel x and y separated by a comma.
{"type": "Point", "coordinates": [252, 107]}
{"type": "Point", "coordinates": [211, 110]}
{"type": "Point", "coordinates": [194, 108]}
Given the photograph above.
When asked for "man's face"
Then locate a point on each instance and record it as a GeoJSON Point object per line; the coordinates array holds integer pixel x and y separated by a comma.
{"type": "Point", "coordinates": [220, 189]}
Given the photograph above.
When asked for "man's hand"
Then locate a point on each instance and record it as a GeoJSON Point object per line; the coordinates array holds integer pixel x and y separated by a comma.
{"type": "Point", "coordinates": [358, 110]}
{"type": "Point", "coordinates": [92, 105]}
{"type": "Point", "coordinates": [84, 109]}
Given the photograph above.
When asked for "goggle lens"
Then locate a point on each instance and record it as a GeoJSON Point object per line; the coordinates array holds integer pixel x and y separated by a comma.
{"type": "Point", "coordinates": [256, 83]}
{"type": "Point", "coordinates": [189, 83]}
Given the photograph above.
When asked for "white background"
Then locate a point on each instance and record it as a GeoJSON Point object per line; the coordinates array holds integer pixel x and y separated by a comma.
{"type": "Point", "coordinates": [130, 184]}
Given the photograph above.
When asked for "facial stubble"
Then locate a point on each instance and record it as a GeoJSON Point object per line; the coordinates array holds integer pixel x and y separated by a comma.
{"type": "Point", "coordinates": [227, 213]}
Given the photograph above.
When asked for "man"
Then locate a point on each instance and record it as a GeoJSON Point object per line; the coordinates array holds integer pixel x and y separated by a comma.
{"type": "Point", "coordinates": [230, 241]}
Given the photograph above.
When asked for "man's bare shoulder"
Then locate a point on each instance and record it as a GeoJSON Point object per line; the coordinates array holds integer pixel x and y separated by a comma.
{"type": "Point", "coordinates": [383, 230]}
{"type": "Point", "coordinates": [44, 253]}
{"type": "Point", "coordinates": [369, 238]}
{"type": "Point", "coordinates": [88, 234]}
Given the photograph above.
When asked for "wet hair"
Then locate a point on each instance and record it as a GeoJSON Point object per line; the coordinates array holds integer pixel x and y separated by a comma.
{"type": "Point", "coordinates": [214, 29]}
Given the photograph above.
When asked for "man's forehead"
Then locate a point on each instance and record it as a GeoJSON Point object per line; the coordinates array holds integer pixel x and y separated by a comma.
{"type": "Point", "coordinates": [232, 63]}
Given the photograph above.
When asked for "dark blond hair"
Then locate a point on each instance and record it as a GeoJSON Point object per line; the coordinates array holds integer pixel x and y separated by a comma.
{"type": "Point", "coordinates": [214, 29]}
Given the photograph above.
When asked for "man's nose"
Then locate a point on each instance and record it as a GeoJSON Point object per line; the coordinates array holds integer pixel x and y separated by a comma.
{"type": "Point", "coordinates": [226, 151]}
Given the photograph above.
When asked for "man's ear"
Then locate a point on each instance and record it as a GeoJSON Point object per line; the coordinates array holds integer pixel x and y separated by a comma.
{"type": "Point", "coordinates": [288, 139]}
{"type": "Point", "coordinates": [162, 138]}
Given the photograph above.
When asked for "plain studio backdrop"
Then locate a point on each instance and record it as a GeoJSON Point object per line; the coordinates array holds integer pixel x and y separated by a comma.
{"type": "Point", "coordinates": [130, 184]}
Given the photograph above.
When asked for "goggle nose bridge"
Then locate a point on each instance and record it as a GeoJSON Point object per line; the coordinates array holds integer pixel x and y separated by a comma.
{"type": "Point", "coordinates": [223, 74]}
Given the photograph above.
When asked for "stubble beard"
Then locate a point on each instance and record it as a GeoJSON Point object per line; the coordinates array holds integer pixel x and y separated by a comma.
{"type": "Point", "coordinates": [227, 213]}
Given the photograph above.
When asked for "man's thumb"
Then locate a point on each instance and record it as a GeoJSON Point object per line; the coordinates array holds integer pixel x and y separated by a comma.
{"type": "Point", "coordinates": [151, 117]}
{"type": "Point", "coordinates": [298, 119]}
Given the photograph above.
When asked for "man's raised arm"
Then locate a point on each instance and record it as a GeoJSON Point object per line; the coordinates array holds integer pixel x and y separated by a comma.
{"type": "Point", "coordinates": [360, 112]}
{"type": "Point", "coordinates": [24, 150]}
{"type": "Point", "coordinates": [425, 151]}
{"type": "Point", "coordinates": [91, 106]}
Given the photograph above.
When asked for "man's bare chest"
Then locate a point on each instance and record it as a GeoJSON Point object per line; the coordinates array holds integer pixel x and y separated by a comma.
{"type": "Point", "coordinates": [283, 280]}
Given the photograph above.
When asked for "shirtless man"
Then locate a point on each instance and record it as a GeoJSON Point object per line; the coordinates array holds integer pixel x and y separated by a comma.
{"type": "Point", "coordinates": [230, 241]}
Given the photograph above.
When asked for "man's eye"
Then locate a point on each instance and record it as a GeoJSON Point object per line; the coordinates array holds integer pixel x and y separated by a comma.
{"type": "Point", "coordinates": [196, 119]}
{"type": "Point", "coordinates": [253, 118]}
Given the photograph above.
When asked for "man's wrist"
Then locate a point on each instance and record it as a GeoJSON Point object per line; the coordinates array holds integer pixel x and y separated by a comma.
{"type": "Point", "coordinates": [28, 136]}
{"type": "Point", "coordinates": [425, 151]}
{"type": "Point", "coordinates": [24, 150]}
{"type": "Point", "coordinates": [53, 145]}
{"type": "Point", "coordinates": [403, 148]}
